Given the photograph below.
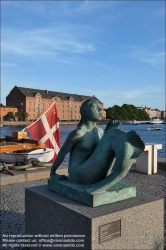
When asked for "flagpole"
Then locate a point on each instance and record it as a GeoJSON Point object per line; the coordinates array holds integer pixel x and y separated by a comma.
{"type": "Point", "coordinates": [41, 113]}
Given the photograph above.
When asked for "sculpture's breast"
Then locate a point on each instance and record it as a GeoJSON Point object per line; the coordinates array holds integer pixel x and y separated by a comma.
{"type": "Point", "coordinates": [88, 141]}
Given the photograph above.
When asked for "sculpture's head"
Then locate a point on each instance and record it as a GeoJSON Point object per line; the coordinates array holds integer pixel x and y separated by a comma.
{"type": "Point", "coordinates": [90, 110]}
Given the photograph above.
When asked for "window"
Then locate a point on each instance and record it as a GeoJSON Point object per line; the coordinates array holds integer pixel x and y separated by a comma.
{"type": "Point", "coordinates": [43, 104]}
{"type": "Point", "coordinates": [62, 111]}
{"type": "Point", "coordinates": [29, 103]}
{"type": "Point", "coordinates": [29, 109]}
{"type": "Point", "coordinates": [62, 106]}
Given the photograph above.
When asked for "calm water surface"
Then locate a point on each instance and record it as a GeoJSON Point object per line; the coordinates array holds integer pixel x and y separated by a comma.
{"type": "Point", "coordinates": [148, 136]}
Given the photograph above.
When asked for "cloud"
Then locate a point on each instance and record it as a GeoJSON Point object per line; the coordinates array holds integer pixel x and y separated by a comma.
{"type": "Point", "coordinates": [147, 95]}
{"type": "Point", "coordinates": [44, 42]}
{"type": "Point", "coordinates": [85, 7]}
{"type": "Point", "coordinates": [120, 93]}
{"type": "Point", "coordinates": [11, 65]}
{"type": "Point", "coordinates": [142, 55]}
{"type": "Point", "coordinates": [160, 40]}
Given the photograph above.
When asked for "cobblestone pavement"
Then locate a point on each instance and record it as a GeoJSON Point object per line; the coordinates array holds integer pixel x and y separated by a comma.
{"type": "Point", "coordinates": [12, 198]}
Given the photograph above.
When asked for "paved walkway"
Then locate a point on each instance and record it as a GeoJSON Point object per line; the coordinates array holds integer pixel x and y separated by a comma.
{"type": "Point", "coordinates": [12, 197]}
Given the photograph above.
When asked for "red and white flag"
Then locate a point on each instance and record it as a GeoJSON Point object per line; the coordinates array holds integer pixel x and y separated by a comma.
{"type": "Point", "coordinates": [46, 129]}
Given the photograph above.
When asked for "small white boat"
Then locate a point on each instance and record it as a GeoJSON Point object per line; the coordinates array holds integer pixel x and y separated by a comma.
{"type": "Point", "coordinates": [155, 121]}
{"type": "Point", "coordinates": [154, 128]}
{"type": "Point", "coordinates": [42, 154]}
{"type": "Point", "coordinates": [19, 149]}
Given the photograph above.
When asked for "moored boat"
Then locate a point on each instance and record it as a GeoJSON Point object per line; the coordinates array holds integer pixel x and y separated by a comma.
{"type": "Point", "coordinates": [42, 155]}
{"type": "Point", "coordinates": [155, 121]}
{"type": "Point", "coordinates": [154, 128]}
{"type": "Point", "coordinates": [19, 149]}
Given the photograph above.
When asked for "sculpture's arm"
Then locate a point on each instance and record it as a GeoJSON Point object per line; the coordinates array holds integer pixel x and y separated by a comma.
{"type": "Point", "coordinates": [58, 161]}
{"type": "Point", "coordinates": [71, 140]}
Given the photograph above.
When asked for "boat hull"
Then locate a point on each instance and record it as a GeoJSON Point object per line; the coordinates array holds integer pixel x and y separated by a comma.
{"type": "Point", "coordinates": [43, 155]}
{"type": "Point", "coordinates": [155, 121]}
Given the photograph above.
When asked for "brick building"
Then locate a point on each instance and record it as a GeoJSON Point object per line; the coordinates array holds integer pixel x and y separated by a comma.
{"type": "Point", "coordinates": [153, 113]}
{"type": "Point", "coordinates": [34, 101]}
{"type": "Point", "coordinates": [4, 110]}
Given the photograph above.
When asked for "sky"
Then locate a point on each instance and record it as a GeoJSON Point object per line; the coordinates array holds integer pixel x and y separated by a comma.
{"type": "Point", "coordinates": [114, 50]}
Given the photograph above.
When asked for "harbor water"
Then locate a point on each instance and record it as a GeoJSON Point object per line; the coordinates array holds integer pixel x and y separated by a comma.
{"type": "Point", "coordinates": [148, 136]}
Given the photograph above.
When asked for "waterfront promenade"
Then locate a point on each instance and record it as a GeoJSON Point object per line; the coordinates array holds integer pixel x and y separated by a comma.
{"type": "Point", "coordinates": [13, 196]}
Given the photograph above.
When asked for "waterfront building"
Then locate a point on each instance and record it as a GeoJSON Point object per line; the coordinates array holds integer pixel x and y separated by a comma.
{"type": "Point", "coordinates": [4, 110]}
{"type": "Point", "coordinates": [34, 101]}
{"type": "Point", "coordinates": [163, 115]}
{"type": "Point", "coordinates": [153, 112]}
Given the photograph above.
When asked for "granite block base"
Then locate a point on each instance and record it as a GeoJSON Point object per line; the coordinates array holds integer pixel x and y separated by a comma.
{"type": "Point", "coordinates": [54, 221]}
{"type": "Point", "coordinates": [120, 191]}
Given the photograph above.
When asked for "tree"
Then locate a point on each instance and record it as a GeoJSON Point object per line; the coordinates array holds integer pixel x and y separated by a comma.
{"type": "Point", "coordinates": [21, 115]}
{"type": "Point", "coordinates": [9, 117]}
{"type": "Point", "coordinates": [24, 115]}
{"type": "Point", "coordinates": [125, 113]}
{"type": "Point", "coordinates": [18, 115]}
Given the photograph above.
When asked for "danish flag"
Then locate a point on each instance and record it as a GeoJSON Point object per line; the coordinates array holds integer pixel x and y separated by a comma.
{"type": "Point", "coordinates": [46, 129]}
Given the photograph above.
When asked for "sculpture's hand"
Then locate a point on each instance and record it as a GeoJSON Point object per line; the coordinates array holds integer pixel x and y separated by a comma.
{"type": "Point", "coordinates": [112, 124]}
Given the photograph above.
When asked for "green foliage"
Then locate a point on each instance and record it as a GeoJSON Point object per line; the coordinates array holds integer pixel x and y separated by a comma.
{"type": "Point", "coordinates": [1, 105]}
{"type": "Point", "coordinates": [24, 115]}
{"type": "Point", "coordinates": [9, 117]}
{"type": "Point", "coordinates": [21, 115]}
{"type": "Point", "coordinates": [125, 113]}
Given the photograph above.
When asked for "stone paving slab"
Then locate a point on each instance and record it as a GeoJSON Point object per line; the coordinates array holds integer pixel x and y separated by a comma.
{"type": "Point", "coordinates": [30, 175]}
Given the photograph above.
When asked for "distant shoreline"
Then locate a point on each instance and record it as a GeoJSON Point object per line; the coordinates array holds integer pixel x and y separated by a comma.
{"type": "Point", "coordinates": [25, 123]}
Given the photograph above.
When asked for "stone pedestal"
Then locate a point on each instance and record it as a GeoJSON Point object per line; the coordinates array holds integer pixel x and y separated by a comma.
{"type": "Point", "coordinates": [61, 223]}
